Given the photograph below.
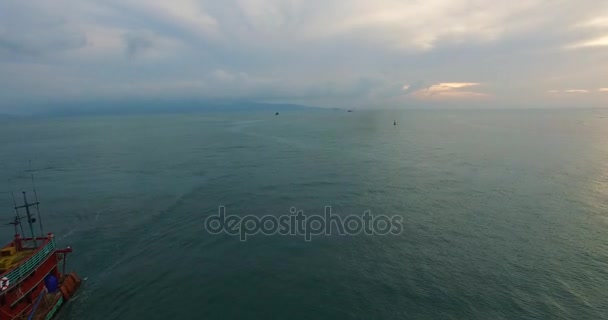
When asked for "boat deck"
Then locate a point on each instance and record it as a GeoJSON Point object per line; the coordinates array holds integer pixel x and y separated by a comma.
{"type": "Point", "coordinates": [46, 307]}
{"type": "Point", "coordinates": [9, 258]}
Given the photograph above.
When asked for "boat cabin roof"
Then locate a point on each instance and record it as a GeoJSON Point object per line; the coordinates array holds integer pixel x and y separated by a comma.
{"type": "Point", "coordinates": [10, 257]}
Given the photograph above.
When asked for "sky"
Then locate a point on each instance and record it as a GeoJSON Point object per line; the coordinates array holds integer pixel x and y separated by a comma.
{"type": "Point", "coordinates": [328, 53]}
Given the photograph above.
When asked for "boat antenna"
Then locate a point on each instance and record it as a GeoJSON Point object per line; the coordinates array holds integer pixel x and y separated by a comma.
{"type": "Point", "coordinates": [14, 224]}
{"type": "Point", "coordinates": [17, 217]}
{"type": "Point", "coordinates": [37, 205]}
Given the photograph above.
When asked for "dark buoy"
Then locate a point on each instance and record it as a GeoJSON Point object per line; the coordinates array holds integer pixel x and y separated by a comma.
{"type": "Point", "coordinates": [394, 123]}
{"type": "Point", "coordinates": [276, 114]}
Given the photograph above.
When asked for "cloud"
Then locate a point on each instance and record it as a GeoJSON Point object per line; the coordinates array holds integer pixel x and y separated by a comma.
{"type": "Point", "coordinates": [600, 21]}
{"type": "Point", "coordinates": [421, 25]}
{"type": "Point", "coordinates": [569, 91]}
{"type": "Point", "coordinates": [450, 86]}
{"type": "Point", "coordinates": [330, 52]}
{"type": "Point", "coordinates": [596, 42]}
{"type": "Point", "coordinates": [20, 35]}
{"type": "Point", "coordinates": [137, 44]}
{"type": "Point", "coordinates": [417, 85]}
{"type": "Point", "coordinates": [594, 31]}
{"type": "Point", "coordinates": [449, 90]}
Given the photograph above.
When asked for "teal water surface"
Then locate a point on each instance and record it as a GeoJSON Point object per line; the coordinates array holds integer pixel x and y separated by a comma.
{"type": "Point", "coordinates": [505, 212]}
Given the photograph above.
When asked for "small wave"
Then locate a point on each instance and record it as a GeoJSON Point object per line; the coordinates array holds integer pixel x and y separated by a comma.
{"type": "Point", "coordinates": [66, 235]}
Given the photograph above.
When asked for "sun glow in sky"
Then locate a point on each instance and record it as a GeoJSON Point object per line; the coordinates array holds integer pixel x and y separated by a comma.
{"type": "Point", "coordinates": [360, 53]}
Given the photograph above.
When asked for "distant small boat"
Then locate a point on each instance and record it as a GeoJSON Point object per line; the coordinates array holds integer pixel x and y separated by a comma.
{"type": "Point", "coordinates": [350, 110]}
{"type": "Point", "coordinates": [276, 114]}
{"type": "Point", "coordinates": [394, 123]}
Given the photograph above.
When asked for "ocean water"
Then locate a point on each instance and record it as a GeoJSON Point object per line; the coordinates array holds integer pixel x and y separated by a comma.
{"type": "Point", "coordinates": [505, 213]}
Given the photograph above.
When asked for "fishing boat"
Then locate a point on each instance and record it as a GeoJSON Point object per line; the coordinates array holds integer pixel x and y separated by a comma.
{"type": "Point", "coordinates": [32, 285]}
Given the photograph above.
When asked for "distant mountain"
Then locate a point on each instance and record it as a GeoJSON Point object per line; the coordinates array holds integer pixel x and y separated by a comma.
{"type": "Point", "coordinates": [166, 107]}
{"type": "Point", "coordinates": [6, 116]}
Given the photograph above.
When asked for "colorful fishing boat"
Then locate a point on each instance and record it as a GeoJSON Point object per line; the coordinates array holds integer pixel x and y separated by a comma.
{"type": "Point", "coordinates": [32, 286]}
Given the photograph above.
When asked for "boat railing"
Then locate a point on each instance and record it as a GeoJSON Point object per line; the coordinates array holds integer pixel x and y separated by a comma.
{"type": "Point", "coordinates": [37, 238]}
{"type": "Point", "coordinates": [27, 266]}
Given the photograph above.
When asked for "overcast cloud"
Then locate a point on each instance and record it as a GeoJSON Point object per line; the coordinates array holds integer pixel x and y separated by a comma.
{"type": "Point", "coordinates": [333, 53]}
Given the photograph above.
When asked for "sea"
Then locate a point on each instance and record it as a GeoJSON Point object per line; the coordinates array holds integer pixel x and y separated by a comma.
{"type": "Point", "coordinates": [504, 212]}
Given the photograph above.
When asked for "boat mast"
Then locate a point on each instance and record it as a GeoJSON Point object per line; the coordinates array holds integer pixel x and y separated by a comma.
{"type": "Point", "coordinates": [37, 207]}
{"type": "Point", "coordinates": [17, 217]}
{"type": "Point", "coordinates": [29, 216]}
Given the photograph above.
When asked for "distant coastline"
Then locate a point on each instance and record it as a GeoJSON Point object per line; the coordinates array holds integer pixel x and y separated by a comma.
{"type": "Point", "coordinates": [118, 108]}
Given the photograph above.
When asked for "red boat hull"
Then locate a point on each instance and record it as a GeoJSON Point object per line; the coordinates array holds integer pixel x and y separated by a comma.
{"type": "Point", "coordinates": [27, 295]}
